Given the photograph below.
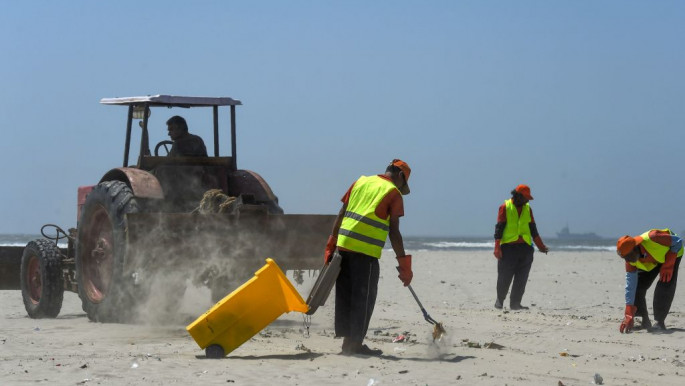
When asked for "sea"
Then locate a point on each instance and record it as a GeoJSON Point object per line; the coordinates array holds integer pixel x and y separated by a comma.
{"type": "Point", "coordinates": [421, 244]}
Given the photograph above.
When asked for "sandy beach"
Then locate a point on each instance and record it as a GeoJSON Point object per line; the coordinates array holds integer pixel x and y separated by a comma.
{"type": "Point", "coordinates": [569, 334]}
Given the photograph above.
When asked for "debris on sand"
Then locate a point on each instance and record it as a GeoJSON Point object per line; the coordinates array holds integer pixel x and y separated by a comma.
{"type": "Point", "coordinates": [493, 345]}
{"type": "Point", "coordinates": [490, 345]}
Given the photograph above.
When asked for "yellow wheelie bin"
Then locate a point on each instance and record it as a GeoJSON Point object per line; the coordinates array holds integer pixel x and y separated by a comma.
{"type": "Point", "coordinates": [246, 311]}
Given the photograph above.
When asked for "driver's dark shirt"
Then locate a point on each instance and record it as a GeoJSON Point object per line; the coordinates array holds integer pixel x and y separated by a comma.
{"type": "Point", "coordinates": [188, 145]}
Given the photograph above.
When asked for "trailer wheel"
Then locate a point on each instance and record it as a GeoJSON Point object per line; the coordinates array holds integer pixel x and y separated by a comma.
{"type": "Point", "coordinates": [42, 285]}
{"type": "Point", "coordinates": [100, 252]}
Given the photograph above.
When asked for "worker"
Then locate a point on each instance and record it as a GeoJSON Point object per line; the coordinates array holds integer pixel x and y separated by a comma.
{"type": "Point", "coordinates": [514, 233]}
{"type": "Point", "coordinates": [370, 212]}
{"type": "Point", "coordinates": [185, 144]}
{"type": "Point", "coordinates": [657, 251]}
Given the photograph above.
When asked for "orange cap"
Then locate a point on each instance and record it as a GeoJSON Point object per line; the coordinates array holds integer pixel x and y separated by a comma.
{"type": "Point", "coordinates": [625, 244]}
{"type": "Point", "coordinates": [406, 170]}
{"type": "Point", "coordinates": [524, 190]}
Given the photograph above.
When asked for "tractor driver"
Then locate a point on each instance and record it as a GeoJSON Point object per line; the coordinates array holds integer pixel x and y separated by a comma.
{"type": "Point", "coordinates": [185, 144]}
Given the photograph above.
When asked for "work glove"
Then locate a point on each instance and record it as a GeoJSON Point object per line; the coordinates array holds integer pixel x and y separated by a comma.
{"type": "Point", "coordinates": [498, 250]}
{"type": "Point", "coordinates": [541, 246]}
{"type": "Point", "coordinates": [330, 249]}
{"type": "Point", "coordinates": [405, 269]}
{"type": "Point", "coordinates": [627, 323]}
{"type": "Point", "coordinates": [666, 271]}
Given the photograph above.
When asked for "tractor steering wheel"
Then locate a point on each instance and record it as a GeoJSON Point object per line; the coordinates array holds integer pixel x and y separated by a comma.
{"type": "Point", "coordinates": [163, 143]}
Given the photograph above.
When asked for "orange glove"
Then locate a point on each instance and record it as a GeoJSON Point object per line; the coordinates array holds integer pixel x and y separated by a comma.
{"type": "Point", "coordinates": [330, 249]}
{"type": "Point", "coordinates": [627, 323]}
{"type": "Point", "coordinates": [405, 269]}
{"type": "Point", "coordinates": [498, 250]}
{"type": "Point", "coordinates": [541, 246]}
{"type": "Point", "coordinates": [666, 271]}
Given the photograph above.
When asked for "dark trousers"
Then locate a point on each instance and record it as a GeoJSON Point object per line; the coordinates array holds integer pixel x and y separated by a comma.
{"type": "Point", "coordinates": [355, 294]}
{"type": "Point", "coordinates": [663, 293]}
{"type": "Point", "coordinates": [515, 263]}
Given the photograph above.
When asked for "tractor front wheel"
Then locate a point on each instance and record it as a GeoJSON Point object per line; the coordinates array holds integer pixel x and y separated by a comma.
{"type": "Point", "coordinates": [42, 285]}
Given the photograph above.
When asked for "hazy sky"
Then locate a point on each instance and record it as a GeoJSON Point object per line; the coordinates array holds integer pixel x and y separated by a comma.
{"type": "Point", "coordinates": [582, 100]}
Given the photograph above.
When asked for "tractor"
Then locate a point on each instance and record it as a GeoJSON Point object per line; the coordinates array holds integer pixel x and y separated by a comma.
{"type": "Point", "coordinates": [148, 228]}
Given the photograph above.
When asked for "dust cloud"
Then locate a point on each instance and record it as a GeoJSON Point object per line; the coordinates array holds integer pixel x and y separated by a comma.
{"type": "Point", "coordinates": [179, 271]}
{"type": "Point", "coordinates": [438, 348]}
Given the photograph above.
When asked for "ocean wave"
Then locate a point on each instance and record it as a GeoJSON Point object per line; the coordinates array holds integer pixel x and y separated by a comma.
{"type": "Point", "coordinates": [586, 248]}
{"type": "Point", "coordinates": [23, 244]}
{"type": "Point", "coordinates": [459, 244]}
{"type": "Point", "coordinates": [411, 243]}
{"type": "Point", "coordinates": [13, 244]}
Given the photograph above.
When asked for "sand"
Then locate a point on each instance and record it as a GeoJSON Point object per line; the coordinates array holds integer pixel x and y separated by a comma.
{"type": "Point", "coordinates": [569, 334]}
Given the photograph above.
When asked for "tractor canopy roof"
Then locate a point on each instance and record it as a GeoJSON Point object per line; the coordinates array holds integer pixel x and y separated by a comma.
{"type": "Point", "coordinates": [171, 101]}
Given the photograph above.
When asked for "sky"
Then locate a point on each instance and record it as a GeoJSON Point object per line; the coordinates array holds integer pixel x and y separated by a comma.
{"type": "Point", "coordinates": [584, 101]}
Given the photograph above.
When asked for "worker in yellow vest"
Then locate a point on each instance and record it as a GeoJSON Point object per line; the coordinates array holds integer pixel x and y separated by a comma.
{"type": "Point", "coordinates": [514, 234]}
{"type": "Point", "coordinates": [371, 212]}
{"type": "Point", "coordinates": [657, 251]}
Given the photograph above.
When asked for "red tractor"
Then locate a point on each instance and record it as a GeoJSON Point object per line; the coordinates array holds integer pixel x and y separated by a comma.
{"type": "Point", "coordinates": [149, 228]}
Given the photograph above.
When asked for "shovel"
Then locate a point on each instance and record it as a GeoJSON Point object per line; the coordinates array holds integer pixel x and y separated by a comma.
{"type": "Point", "coordinates": [438, 329]}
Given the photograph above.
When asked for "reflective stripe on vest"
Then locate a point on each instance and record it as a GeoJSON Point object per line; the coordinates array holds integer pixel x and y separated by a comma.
{"type": "Point", "coordinates": [516, 226]}
{"type": "Point", "coordinates": [361, 230]}
{"type": "Point", "coordinates": [654, 249]}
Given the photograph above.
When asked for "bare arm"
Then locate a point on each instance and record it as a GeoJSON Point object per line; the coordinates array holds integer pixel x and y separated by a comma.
{"type": "Point", "coordinates": [396, 236]}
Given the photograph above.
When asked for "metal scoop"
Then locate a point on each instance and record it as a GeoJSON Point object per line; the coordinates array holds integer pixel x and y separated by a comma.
{"type": "Point", "coordinates": [438, 329]}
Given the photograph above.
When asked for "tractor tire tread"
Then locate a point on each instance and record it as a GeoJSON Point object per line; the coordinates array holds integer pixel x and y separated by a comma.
{"type": "Point", "coordinates": [118, 199]}
{"type": "Point", "coordinates": [52, 294]}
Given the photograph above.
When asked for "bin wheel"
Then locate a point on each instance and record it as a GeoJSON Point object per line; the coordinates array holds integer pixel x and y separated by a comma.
{"type": "Point", "coordinates": [215, 351]}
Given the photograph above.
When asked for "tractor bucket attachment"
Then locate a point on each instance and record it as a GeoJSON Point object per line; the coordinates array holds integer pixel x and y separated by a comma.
{"type": "Point", "coordinates": [233, 246]}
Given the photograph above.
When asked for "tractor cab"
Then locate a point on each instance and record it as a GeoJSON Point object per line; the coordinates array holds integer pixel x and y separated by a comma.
{"type": "Point", "coordinates": [183, 180]}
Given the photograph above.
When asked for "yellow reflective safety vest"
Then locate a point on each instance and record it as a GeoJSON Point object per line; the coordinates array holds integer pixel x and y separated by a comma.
{"type": "Point", "coordinates": [517, 226]}
{"type": "Point", "coordinates": [656, 250]}
{"type": "Point", "coordinates": [361, 230]}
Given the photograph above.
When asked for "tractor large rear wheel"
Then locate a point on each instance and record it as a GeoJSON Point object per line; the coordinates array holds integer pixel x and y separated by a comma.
{"type": "Point", "coordinates": [42, 285]}
{"type": "Point", "coordinates": [100, 252]}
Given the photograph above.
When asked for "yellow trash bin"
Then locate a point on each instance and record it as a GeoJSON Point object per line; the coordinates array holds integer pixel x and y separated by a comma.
{"type": "Point", "coordinates": [246, 311]}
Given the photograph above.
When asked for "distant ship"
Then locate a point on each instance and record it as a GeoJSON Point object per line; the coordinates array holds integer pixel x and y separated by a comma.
{"type": "Point", "coordinates": [567, 235]}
